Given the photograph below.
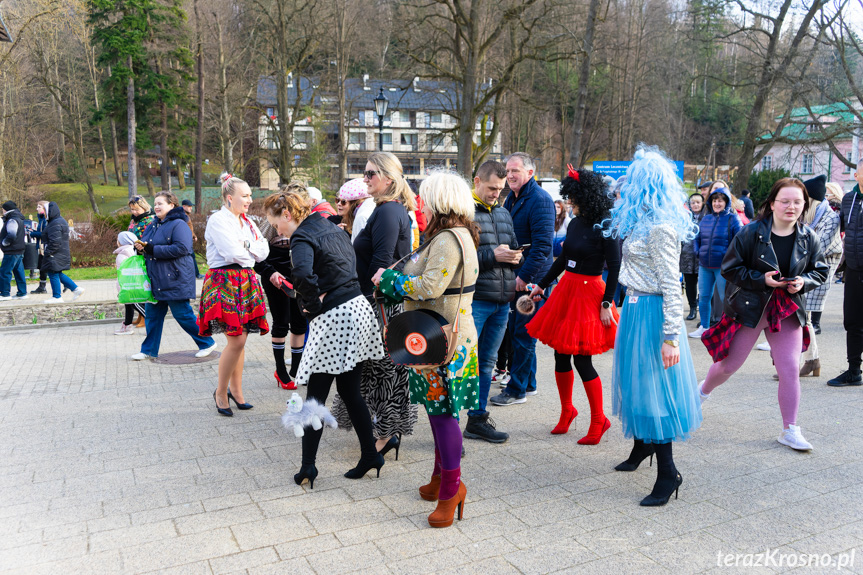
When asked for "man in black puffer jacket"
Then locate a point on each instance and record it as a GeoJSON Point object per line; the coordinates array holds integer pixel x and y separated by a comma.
{"type": "Point", "coordinates": [851, 222]}
{"type": "Point", "coordinates": [495, 288]}
{"type": "Point", "coordinates": [12, 236]}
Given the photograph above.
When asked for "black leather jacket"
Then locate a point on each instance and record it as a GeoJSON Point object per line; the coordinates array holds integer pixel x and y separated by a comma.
{"type": "Point", "coordinates": [323, 261]}
{"type": "Point", "coordinates": [751, 255]}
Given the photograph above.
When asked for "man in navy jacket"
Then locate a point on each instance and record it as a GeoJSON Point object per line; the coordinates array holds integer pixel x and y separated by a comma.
{"type": "Point", "coordinates": [532, 213]}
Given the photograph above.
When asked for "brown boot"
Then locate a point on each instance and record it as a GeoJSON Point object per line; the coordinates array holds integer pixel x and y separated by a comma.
{"type": "Point", "coordinates": [140, 322]}
{"type": "Point", "coordinates": [444, 514]}
{"type": "Point", "coordinates": [811, 367]}
{"type": "Point", "coordinates": [430, 490]}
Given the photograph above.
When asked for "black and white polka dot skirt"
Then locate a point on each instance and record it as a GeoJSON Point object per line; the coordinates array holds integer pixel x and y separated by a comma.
{"type": "Point", "coordinates": [340, 339]}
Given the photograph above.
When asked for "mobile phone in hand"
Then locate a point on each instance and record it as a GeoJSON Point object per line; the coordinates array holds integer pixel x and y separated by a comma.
{"type": "Point", "coordinates": [286, 287]}
{"type": "Point", "coordinates": [522, 247]}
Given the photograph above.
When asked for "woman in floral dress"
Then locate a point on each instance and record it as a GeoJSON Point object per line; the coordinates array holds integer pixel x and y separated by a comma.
{"type": "Point", "coordinates": [432, 280]}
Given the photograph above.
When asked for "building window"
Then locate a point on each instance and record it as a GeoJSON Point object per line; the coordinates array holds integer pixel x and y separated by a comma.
{"type": "Point", "coordinates": [812, 128]}
{"type": "Point", "coordinates": [437, 141]}
{"type": "Point", "coordinates": [767, 163]}
{"type": "Point", "coordinates": [388, 140]}
{"type": "Point", "coordinates": [807, 164]}
{"type": "Point", "coordinates": [850, 158]}
{"type": "Point", "coordinates": [271, 113]}
{"type": "Point", "coordinates": [356, 165]}
{"type": "Point", "coordinates": [302, 137]}
{"type": "Point", "coordinates": [411, 167]}
{"type": "Point", "coordinates": [409, 140]}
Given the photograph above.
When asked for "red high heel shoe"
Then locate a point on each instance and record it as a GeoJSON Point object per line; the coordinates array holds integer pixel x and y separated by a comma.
{"type": "Point", "coordinates": [290, 384]}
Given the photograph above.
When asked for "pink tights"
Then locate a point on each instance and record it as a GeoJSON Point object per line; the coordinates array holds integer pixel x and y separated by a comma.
{"type": "Point", "coordinates": [785, 348]}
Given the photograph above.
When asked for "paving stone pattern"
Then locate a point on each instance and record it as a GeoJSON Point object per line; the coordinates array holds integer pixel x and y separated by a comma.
{"type": "Point", "coordinates": [113, 466]}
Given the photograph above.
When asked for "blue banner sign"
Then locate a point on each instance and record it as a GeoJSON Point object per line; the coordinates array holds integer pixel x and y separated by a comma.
{"type": "Point", "coordinates": [617, 169]}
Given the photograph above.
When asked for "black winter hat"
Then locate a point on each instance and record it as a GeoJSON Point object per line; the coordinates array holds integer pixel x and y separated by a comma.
{"type": "Point", "coordinates": [816, 187]}
{"type": "Point", "coordinates": [10, 205]}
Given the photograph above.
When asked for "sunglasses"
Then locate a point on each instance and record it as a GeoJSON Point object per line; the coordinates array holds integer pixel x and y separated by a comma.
{"type": "Point", "coordinates": [369, 174]}
{"type": "Point", "coordinates": [341, 202]}
{"type": "Point", "coordinates": [136, 199]}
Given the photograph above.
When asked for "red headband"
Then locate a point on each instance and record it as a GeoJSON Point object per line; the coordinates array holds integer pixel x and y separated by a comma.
{"type": "Point", "coordinates": [573, 173]}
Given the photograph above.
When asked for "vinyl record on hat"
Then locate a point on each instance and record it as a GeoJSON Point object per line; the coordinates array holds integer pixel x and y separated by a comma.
{"type": "Point", "coordinates": [417, 337]}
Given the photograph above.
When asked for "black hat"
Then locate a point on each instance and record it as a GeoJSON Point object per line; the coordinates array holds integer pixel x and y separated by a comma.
{"type": "Point", "coordinates": [188, 203]}
{"type": "Point", "coordinates": [10, 205]}
{"type": "Point", "coordinates": [816, 187]}
{"type": "Point", "coordinates": [705, 185]}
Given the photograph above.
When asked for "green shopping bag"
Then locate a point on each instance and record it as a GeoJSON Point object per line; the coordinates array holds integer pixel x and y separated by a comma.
{"type": "Point", "coordinates": [134, 281]}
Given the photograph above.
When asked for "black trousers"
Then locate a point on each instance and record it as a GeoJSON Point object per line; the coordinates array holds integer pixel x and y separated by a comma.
{"type": "Point", "coordinates": [504, 353]}
{"type": "Point", "coordinates": [853, 311]}
{"type": "Point", "coordinates": [690, 281]}
{"type": "Point", "coordinates": [131, 308]}
{"type": "Point", "coordinates": [348, 386]}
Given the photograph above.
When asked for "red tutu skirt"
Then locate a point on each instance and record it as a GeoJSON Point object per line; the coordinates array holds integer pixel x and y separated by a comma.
{"type": "Point", "coordinates": [569, 321]}
{"type": "Point", "coordinates": [232, 302]}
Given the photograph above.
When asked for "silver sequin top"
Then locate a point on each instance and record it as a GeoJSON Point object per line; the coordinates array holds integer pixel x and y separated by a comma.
{"type": "Point", "coordinates": [651, 264]}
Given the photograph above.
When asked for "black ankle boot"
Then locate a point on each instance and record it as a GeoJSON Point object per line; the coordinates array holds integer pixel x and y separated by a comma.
{"type": "Point", "coordinates": [481, 427]}
{"type": "Point", "coordinates": [693, 312]}
{"type": "Point", "coordinates": [367, 463]}
{"type": "Point", "coordinates": [40, 289]}
{"type": "Point", "coordinates": [639, 453]}
{"type": "Point", "coordinates": [668, 479]}
{"type": "Point", "coordinates": [307, 472]}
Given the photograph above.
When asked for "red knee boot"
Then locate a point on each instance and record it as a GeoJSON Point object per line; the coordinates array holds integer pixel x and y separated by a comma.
{"type": "Point", "coordinates": [567, 410]}
{"type": "Point", "coordinates": [599, 424]}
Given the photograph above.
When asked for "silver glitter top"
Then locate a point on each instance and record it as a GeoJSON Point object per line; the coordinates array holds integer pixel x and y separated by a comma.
{"type": "Point", "coordinates": [651, 264]}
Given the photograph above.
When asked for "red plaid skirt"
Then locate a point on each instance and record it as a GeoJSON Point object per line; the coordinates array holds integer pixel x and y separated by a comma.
{"type": "Point", "coordinates": [718, 338]}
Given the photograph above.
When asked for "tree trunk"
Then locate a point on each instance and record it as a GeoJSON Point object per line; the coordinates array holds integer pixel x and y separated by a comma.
{"type": "Point", "coordinates": [132, 158]}
{"type": "Point", "coordinates": [199, 142]}
{"type": "Point", "coordinates": [58, 109]}
{"type": "Point", "coordinates": [165, 171]}
{"type": "Point", "coordinates": [575, 152]}
{"type": "Point", "coordinates": [148, 178]}
{"type": "Point", "coordinates": [118, 166]}
{"type": "Point", "coordinates": [225, 119]}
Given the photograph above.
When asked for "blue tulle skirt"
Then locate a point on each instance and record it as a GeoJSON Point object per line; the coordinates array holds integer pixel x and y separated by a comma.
{"type": "Point", "coordinates": [654, 404]}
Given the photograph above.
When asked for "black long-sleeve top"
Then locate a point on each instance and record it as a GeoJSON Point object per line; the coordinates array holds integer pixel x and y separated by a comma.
{"type": "Point", "coordinates": [386, 238]}
{"type": "Point", "coordinates": [585, 250]}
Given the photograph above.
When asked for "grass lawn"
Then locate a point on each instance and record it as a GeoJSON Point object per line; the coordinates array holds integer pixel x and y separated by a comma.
{"type": "Point", "coordinates": [73, 201]}
{"type": "Point", "coordinates": [110, 272]}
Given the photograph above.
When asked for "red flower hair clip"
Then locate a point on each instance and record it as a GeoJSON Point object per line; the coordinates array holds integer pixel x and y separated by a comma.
{"type": "Point", "coordinates": [573, 173]}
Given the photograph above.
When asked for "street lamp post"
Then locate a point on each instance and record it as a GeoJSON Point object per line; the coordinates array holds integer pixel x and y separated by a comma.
{"type": "Point", "coordinates": [381, 103]}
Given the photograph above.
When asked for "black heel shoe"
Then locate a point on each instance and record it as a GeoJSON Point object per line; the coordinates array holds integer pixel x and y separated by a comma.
{"type": "Point", "coordinates": [307, 472]}
{"type": "Point", "coordinates": [376, 461]}
{"type": "Point", "coordinates": [662, 491]}
{"type": "Point", "coordinates": [640, 451]}
{"type": "Point", "coordinates": [239, 405]}
{"type": "Point", "coordinates": [223, 411]}
{"type": "Point", "coordinates": [395, 442]}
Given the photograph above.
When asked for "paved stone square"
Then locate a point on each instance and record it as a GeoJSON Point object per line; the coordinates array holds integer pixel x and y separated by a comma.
{"type": "Point", "coordinates": [113, 466]}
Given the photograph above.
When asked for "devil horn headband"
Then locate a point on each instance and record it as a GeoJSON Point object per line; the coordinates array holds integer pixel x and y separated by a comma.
{"type": "Point", "coordinates": [573, 173]}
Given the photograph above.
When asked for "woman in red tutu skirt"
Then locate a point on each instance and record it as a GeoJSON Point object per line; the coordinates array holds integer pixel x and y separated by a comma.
{"type": "Point", "coordinates": [580, 319]}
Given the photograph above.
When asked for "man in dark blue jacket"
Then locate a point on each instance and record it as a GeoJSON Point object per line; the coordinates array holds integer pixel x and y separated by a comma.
{"type": "Point", "coordinates": [12, 235]}
{"type": "Point", "coordinates": [533, 214]}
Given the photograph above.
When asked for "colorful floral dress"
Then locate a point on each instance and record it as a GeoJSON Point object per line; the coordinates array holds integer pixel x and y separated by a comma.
{"type": "Point", "coordinates": [138, 227]}
{"type": "Point", "coordinates": [427, 275]}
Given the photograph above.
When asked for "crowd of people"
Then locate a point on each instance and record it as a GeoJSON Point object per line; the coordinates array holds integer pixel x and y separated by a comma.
{"type": "Point", "coordinates": [500, 276]}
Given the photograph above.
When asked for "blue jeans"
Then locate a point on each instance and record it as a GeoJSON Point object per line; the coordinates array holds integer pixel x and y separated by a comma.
{"type": "Point", "coordinates": [12, 264]}
{"type": "Point", "coordinates": [155, 320]}
{"type": "Point", "coordinates": [58, 278]}
{"type": "Point", "coordinates": [523, 373]}
{"type": "Point", "coordinates": [490, 320]}
{"type": "Point", "coordinates": [707, 279]}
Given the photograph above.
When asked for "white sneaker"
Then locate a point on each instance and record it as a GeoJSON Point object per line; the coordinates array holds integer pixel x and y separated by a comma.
{"type": "Point", "coordinates": [701, 395]}
{"type": "Point", "coordinates": [140, 356]}
{"type": "Point", "coordinates": [500, 377]}
{"type": "Point", "coordinates": [794, 439]}
{"type": "Point", "coordinates": [763, 346]}
{"type": "Point", "coordinates": [125, 329]}
{"type": "Point", "coordinates": [534, 392]}
{"type": "Point", "coordinates": [53, 300]}
{"type": "Point", "coordinates": [5, 297]}
{"type": "Point", "coordinates": [206, 351]}
{"type": "Point", "coordinates": [77, 293]}
{"type": "Point", "coordinates": [20, 296]}
{"type": "Point", "coordinates": [697, 333]}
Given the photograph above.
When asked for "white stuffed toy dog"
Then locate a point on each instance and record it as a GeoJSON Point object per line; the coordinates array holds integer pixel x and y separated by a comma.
{"type": "Point", "coordinates": [302, 413]}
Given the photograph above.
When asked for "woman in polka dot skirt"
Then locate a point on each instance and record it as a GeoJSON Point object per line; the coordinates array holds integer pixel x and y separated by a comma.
{"type": "Point", "coordinates": [432, 280]}
{"type": "Point", "coordinates": [343, 332]}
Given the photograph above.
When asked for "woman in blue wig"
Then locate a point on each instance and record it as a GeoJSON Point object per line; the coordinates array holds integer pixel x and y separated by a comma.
{"type": "Point", "coordinates": [653, 380]}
